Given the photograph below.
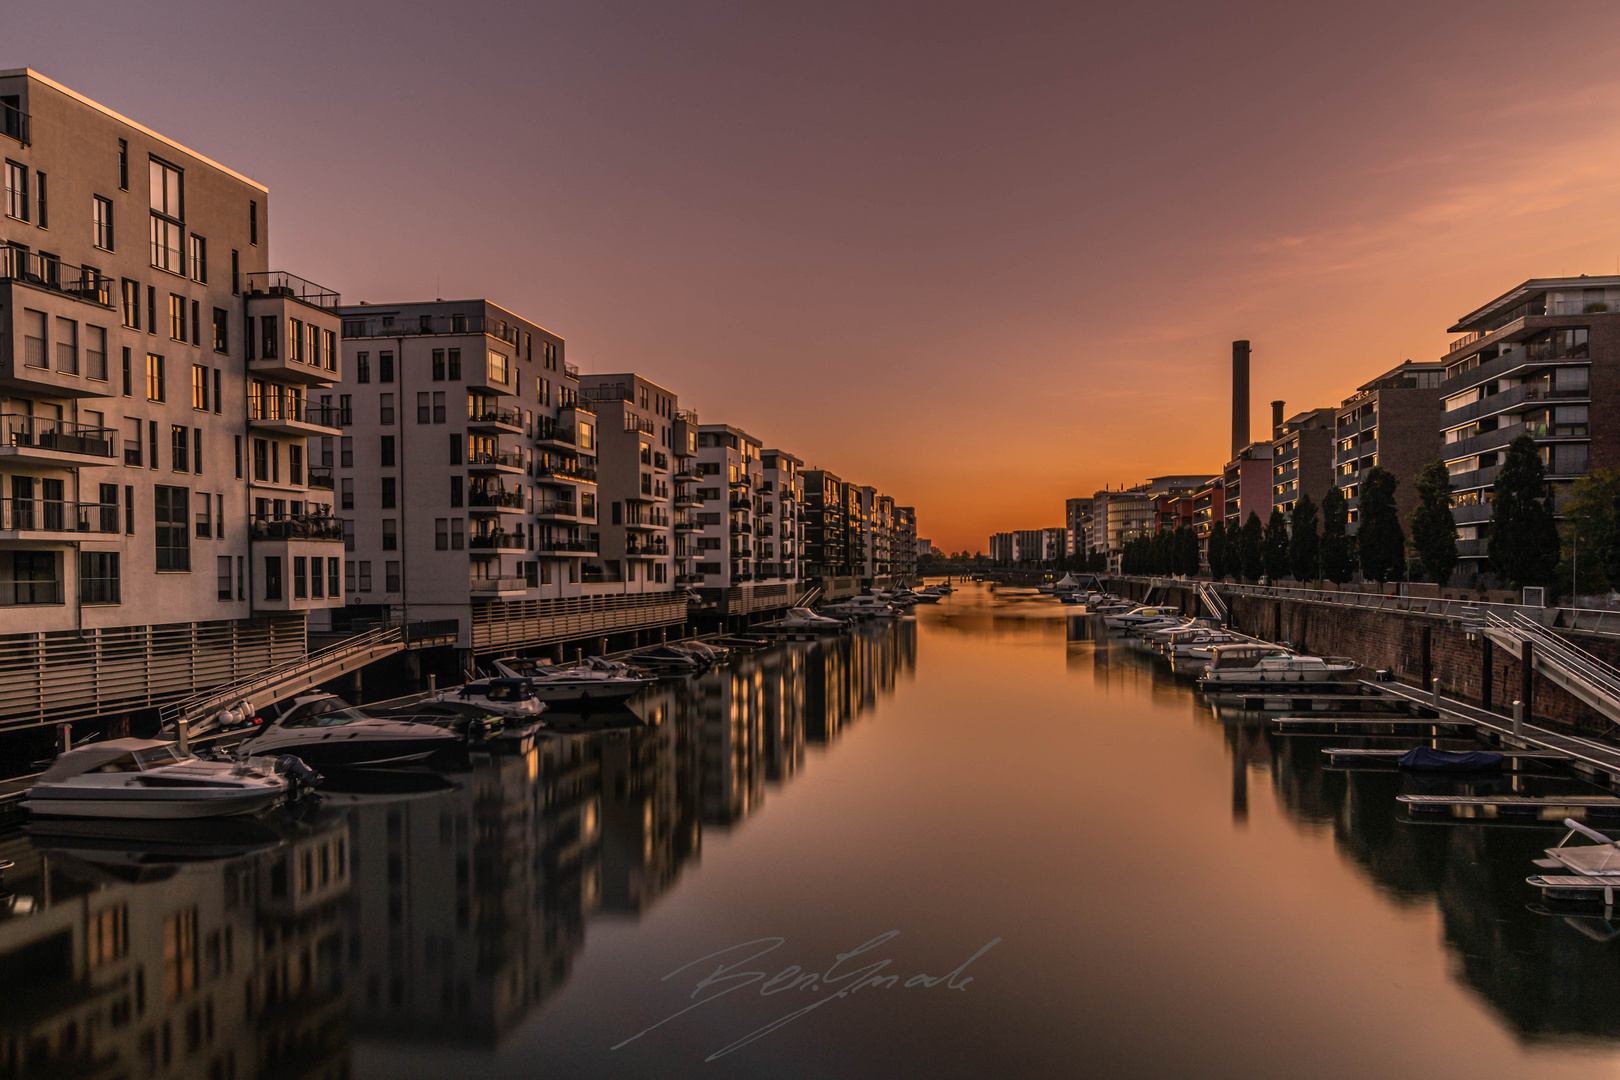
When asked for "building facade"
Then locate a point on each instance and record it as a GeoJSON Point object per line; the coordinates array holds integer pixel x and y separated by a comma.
{"type": "Point", "coordinates": [1302, 458]}
{"type": "Point", "coordinates": [635, 479]}
{"type": "Point", "coordinates": [1246, 485]}
{"type": "Point", "coordinates": [1393, 421]}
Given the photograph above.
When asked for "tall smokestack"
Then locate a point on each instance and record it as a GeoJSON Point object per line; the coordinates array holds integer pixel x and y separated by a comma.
{"type": "Point", "coordinates": [1240, 396]}
{"type": "Point", "coordinates": [1276, 419]}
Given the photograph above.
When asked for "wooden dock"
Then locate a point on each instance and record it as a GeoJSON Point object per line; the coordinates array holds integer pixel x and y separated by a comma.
{"type": "Point", "coordinates": [1544, 808]}
{"type": "Point", "coordinates": [1369, 725]}
{"type": "Point", "coordinates": [1349, 755]}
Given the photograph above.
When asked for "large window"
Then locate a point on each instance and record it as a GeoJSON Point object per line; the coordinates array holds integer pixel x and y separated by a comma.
{"type": "Point", "coordinates": [98, 577]}
{"type": "Point", "coordinates": [499, 369]}
{"type": "Point", "coordinates": [168, 216]}
{"type": "Point", "coordinates": [35, 578]}
{"type": "Point", "coordinates": [95, 352]}
{"type": "Point", "coordinates": [197, 248]}
{"type": "Point", "coordinates": [154, 377]}
{"type": "Point", "coordinates": [199, 387]}
{"type": "Point", "coordinates": [222, 330]}
{"type": "Point", "coordinates": [177, 317]}
{"type": "Point", "coordinates": [103, 209]}
{"type": "Point", "coordinates": [16, 191]}
{"type": "Point", "coordinates": [171, 513]}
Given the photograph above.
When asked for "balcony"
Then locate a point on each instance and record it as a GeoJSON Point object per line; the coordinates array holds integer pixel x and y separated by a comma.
{"type": "Point", "coordinates": [53, 275]}
{"type": "Point", "coordinates": [14, 123]}
{"type": "Point", "coordinates": [54, 519]}
{"type": "Point", "coordinates": [688, 579]}
{"type": "Point", "coordinates": [565, 546]}
{"type": "Point", "coordinates": [1485, 440]}
{"type": "Point", "coordinates": [655, 520]}
{"type": "Point", "coordinates": [1507, 400]}
{"type": "Point", "coordinates": [687, 499]}
{"type": "Point", "coordinates": [320, 478]}
{"type": "Point", "coordinates": [742, 553]}
{"type": "Point", "coordinates": [495, 541]}
{"type": "Point", "coordinates": [565, 470]}
{"type": "Point", "coordinates": [548, 430]}
{"type": "Point", "coordinates": [686, 470]}
{"type": "Point", "coordinates": [556, 508]}
{"type": "Point", "coordinates": [741, 527]}
{"type": "Point", "coordinates": [645, 551]}
{"type": "Point", "coordinates": [687, 526]}
{"type": "Point", "coordinates": [286, 414]}
{"type": "Point", "coordinates": [570, 371]}
{"type": "Point", "coordinates": [387, 326]}
{"type": "Point", "coordinates": [495, 420]}
{"type": "Point", "coordinates": [495, 502]}
{"type": "Point", "coordinates": [308, 527]}
{"type": "Point", "coordinates": [492, 588]}
{"type": "Point", "coordinates": [279, 283]}
{"type": "Point", "coordinates": [1472, 514]}
{"type": "Point", "coordinates": [494, 461]}
{"type": "Point", "coordinates": [36, 440]}
{"type": "Point", "coordinates": [1478, 478]}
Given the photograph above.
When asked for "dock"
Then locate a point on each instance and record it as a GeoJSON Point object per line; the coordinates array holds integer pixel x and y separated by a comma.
{"type": "Point", "coordinates": [1347, 755]}
{"type": "Point", "coordinates": [1369, 725]}
{"type": "Point", "coordinates": [1544, 808]}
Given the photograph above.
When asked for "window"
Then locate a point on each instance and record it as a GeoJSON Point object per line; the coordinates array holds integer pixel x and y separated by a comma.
{"type": "Point", "coordinates": [253, 223]}
{"type": "Point", "coordinates": [300, 577]}
{"type": "Point", "coordinates": [199, 387]}
{"type": "Point", "coordinates": [34, 578]}
{"type": "Point", "coordinates": [348, 534]}
{"type": "Point", "coordinates": [34, 323]}
{"type": "Point", "coordinates": [151, 309]}
{"type": "Point", "coordinates": [129, 507]}
{"type": "Point", "coordinates": [295, 340]}
{"type": "Point", "coordinates": [455, 365]}
{"type": "Point", "coordinates": [389, 493]}
{"type": "Point", "coordinates": [333, 588]}
{"type": "Point", "coordinates": [362, 367]}
{"type": "Point", "coordinates": [98, 577]}
{"type": "Point", "coordinates": [236, 273]}
{"type": "Point", "coordinates": [16, 191]}
{"type": "Point", "coordinates": [346, 498]}
{"type": "Point", "coordinates": [390, 535]}
{"type": "Point", "coordinates": [171, 513]}
{"type": "Point", "coordinates": [95, 353]}
{"type": "Point", "coordinates": [387, 452]}
{"type": "Point", "coordinates": [458, 534]}
{"type": "Point", "coordinates": [438, 407]}
{"type": "Point", "coordinates": [44, 216]}
{"type": "Point", "coordinates": [438, 365]}
{"type": "Point", "coordinates": [441, 534]}
{"type": "Point", "coordinates": [346, 452]}
{"type": "Point", "coordinates": [272, 577]}
{"type": "Point", "coordinates": [219, 393]}
{"type": "Point", "coordinates": [385, 367]}
{"type": "Point", "coordinates": [385, 409]}
{"type": "Point", "coordinates": [223, 563]}
{"type": "Point", "coordinates": [102, 209]}
{"type": "Point", "coordinates": [269, 334]}
{"type": "Point", "coordinates": [455, 491]}
{"type": "Point", "coordinates": [295, 463]}
{"type": "Point", "coordinates": [180, 443]}
{"type": "Point", "coordinates": [455, 448]}
{"type": "Point", "coordinates": [132, 304]}
{"type": "Point", "coordinates": [123, 165]}
{"type": "Point", "coordinates": [197, 248]}
{"type": "Point", "coordinates": [196, 450]}
{"type": "Point", "coordinates": [326, 451]}
{"type": "Point", "coordinates": [391, 580]}
{"type": "Point", "coordinates": [177, 317]}
{"type": "Point", "coordinates": [168, 216]}
{"type": "Point", "coordinates": [196, 323]}
{"type": "Point", "coordinates": [154, 377]}
{"type": "Point", "coordinates": [365, 575]}
{"type": "Point", "coordinates": [499, 369]}
{"type": "Point", "coordinates": [261, 459]}
{"type": "Point", "coordinates": [67, 346]}
{"type": "Point", "coordinates": [239, 457]}
{"type": "Point", "coordinates": [422, 411]}
{"type": "Point", "coordinates": [222, 330]}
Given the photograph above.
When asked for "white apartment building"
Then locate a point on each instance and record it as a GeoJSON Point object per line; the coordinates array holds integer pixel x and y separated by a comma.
{"type": "Point", "coordinates": [781, 522]}
{"type": "Point", "coordinates": [727, 553]}
{"type": "Point", "coordinates": [161, 529]}
{"type": "Point", "coordinates": [467, 480]}
{"type": "Point", "coordinates": [635, 480]}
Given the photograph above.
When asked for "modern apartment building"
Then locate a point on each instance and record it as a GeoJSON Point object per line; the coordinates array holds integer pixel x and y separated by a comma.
{"type": "Point", "coordinates": [728, 551]}
{"type": "Point", "coordinates": [1393, 421]}
{"type": "Point", "coordinates": [903, 548]}
{"type": "Point", "coordinates": [1301, 456]}
{"type": "Point", "coordinates": [1539, 360]}
{"type": "Point", "coordinates": [1246, 484]}
{"type": "Point", "coordinates": [635, 479]}
{"type": "Point", "coordinates": [467, 480]}
{"type": "Point", "coordinates": [826, 531]}
{"type": "Point", "coordinates": [780, 536]}
{"type": "Point", "coordinates": [158, 385]}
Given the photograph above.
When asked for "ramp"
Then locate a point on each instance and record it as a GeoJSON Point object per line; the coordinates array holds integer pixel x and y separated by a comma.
{"type": "Point", "coordinates": [1563, 663]}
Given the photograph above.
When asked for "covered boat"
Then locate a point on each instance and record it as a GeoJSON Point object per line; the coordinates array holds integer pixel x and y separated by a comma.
{"type": "Point", "coordinates": [146, 778]}
{"type": "Point", "coordinates": [1429, 759]}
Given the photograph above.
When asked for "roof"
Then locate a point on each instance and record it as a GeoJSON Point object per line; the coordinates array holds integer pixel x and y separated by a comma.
{"type": "Point", "coordinates": [30, 73]}
{"type": "Point", "coordinates": [1521, 293]}
{"type": "Point", "coordinates": [1403, 366]}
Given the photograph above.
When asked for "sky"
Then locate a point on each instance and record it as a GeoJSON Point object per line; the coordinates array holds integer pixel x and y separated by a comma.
{"type": "Point", "coordinates": [985, 258]}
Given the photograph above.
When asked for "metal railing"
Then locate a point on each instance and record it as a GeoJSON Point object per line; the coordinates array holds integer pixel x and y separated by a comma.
{"type": "Point", "coordinates": [498, 585]}
{"type": "Point", "coordinates": [563, 545]}
{"type": "Point", "coordinates": [634, 424]}
{"type": "Point", "coordinates": [567, 470]}
{"type": "Point", "coordinates": [14, 123]}
{"type": "Point", "coordinates": [48, 272]}
{"type": "Point", "coordinates": [557, 508]}
{"type": "Point", "coordinates": [571, 371]}
{"type": "Point", "coordinates": [307, 527]}
{"type": "Point", "coordinates": [297, 410]}
{"type": "Point", "coordinates": [42, 433]}
{"type": "Point", "coordinates": [427, 326]}
{"type": "Point", "coordinates": [1579, 672]}
{"type": "Point", "coordinates": [548, 430]}
{"type": "Point", "coordinates": [495, 541]}
{"type": "Point", "coordinates": [281, 283]}
{"type": "Point", "coordinates": [489, 458]}
{"type": "Point", "coordinates": [57, 515]}
{"type": "Point", "coordinates": [496, 415]}
{"type": "Point", "coordinates": [510, 500]}
{"type": "Point", "coordinates": [320, 476]}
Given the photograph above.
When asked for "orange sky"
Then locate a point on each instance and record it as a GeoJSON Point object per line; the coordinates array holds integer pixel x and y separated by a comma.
{"type": "Point", "coordinates": [983, 262]}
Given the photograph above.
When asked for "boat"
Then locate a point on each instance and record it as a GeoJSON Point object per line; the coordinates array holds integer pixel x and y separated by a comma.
{"type": "Point", "coordinates": [1156, 613]}
{"type": "Point", "coordinates": [1068, 583]}
{"type": "Point", "coordinates": [1254, 664]}
{"type": "Point", "coordinates": [596, 680]}
{"type": "Point", "coordinates": [1433, 760]}
{"type": "Point", "coordinates": [324, 732]}
{"type": "Point", "coordinates": [706, 652]}
{"type": "Point", "coordinates": [667, 660]}
{"type": "Point", "coordinates": [150, 778]}
{"type": "Point", "coordinates": [1599, 859]}
{"type": "Point", "coordinates": [504, 696]}
{"type": "Point", "coordinates": [1198, 643]}
{"type": "Point", "coordinates": [738, 642]}
{"type": "Point", "coordinates": [802, 618]}
{"type": "Point", "coordinates": [863, 607]}
{"type": "Point", "coordinates": [1071, 598]}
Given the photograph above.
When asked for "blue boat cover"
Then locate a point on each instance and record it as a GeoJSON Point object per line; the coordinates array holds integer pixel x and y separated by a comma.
{"type": "Point", "coordinates": [1428, 759]}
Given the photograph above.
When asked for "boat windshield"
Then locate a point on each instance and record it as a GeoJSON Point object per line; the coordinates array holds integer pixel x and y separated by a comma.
{"type": "Point", "coordinates": [328, 712]}
{"type": "Point", "coordinates": [158, 756]}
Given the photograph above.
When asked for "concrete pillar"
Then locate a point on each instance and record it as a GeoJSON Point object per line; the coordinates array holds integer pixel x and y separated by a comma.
{"type": "Point", "coordinates": [1518, 717]}
{"type": "Point", "coordinates": [64, 738]}
{"type": "Point", "coordinates": [1428, 655]}
{"type": "Point", "coordinates": [356, 686]}
{"type": "Point", "coordinates": [1527, 671]}
{"type": "Point", "coordinates": [1487, 684]}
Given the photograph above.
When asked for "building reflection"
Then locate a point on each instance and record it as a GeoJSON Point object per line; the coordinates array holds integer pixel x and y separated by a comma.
{"type": "Point", "coordinates": [411, 907]}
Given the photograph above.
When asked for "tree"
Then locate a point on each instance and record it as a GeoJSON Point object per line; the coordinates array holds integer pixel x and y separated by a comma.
{"type": "Point", "coordinates": [1219, 567]}
{"type": "Point", "coordinates": [1378, 534]}
{"type": "Point", "coordinates": [1335, 545]}
{"type": "Point", "coordinates": [1251, 548]}
{"type": "Point", "coordinates": [1274, 546]}
{"type": "Point", "coordinates": [1434, 531]}
{"type": "Point", "coordinates": [1304, 547]}
{"type": "Point", "coordinates": [1524, 538]}
{"type": "Point", "coordinates": [1593, 547]}
{"type": "Point", "coordinates": [1187, 552]}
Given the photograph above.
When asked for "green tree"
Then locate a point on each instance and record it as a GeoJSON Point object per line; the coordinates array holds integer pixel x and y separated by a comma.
{"type": "Point", "coordinates": [1524, 538]}
{"type": "Point", "coordinates": [1378, 534]}
{"type": "Point", "coordinates": [1187, 552]}
{"type": "Point", "coordinates": [1434, 531]}
{"type": "Point", "coordinates": [1337, 564]}
{"type": "Point", "coordinates": [1218, 554]}
{"type": "Point", "coordinates": [1275, 546]}
{"type": "Point", "coordinates": [1591, 539]}
{"type": "Point", "coordinates": [1304, 546]}
{"type": "Point", "coordinates": [1252, 548]}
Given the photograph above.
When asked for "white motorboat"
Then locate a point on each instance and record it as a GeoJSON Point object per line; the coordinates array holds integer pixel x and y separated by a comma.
{"type": "Point", "coordinates": [863, 607]}
{"type": "Point", "coordinates": [503, 696]}
{"type": "Point", "coordinates": [667, 660]}
{"type": "Point", "coordinates": [324, 732]}
{"type": "Point", "coordinates": [1249, 664]}
{"type": "Point", "coordinates": [1124, 620]}
{"type": "Point", "coordinates": [706, 652]}
{"type": "Point", "coordinates": [146, 778]}
{"type": "Point", "coordinates": [801, 618]}
{"type": "Point", "coordinates": [1197, 643]}
{"type": "Point", "coordinates": [596, 680]}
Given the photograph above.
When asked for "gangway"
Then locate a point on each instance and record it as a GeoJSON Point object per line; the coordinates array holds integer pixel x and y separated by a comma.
{"type": "Point", "coordinates": [1212, 601]}
{"type": "Point", "coordinates": [274, 684]}
{"type": "Point", "coordinates": [808, 597]}
{"type": "Point", "coordinates": [1560, 661]}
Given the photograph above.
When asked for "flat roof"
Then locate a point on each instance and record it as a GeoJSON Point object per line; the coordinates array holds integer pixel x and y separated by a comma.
{"type": "Point", "coordinates": [30, 73]}
{"type": "Point", "coordinates": [627, 375]}
{"type": "Point", "coordinates": [1520, 293]}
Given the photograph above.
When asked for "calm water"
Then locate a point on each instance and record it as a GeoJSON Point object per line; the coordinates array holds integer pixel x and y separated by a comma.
{"type": "Point", "coordinates": [1163, 893]}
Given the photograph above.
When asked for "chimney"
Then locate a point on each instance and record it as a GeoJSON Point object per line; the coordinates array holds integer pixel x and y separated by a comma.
{"type": "Point", "coordinates": [1276, 419]}
{"type": "Point", "coordinates": [1240, 396]}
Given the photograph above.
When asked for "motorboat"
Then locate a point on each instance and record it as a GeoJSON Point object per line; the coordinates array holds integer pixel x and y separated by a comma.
{"type": "Point", "coordinates": [325, 732]}
{"type": "Point", "coordinates": [1599, 859]}
{"type": "Point", "coordinates": [595, 680]}
{"type": "Point", "coordinates": [863, 607]}
{"type": "Point", "coordinates": [1248, 664]}
{"type": "Point", "coordinates": [504, 696]}
{"type": "Point", "coordinates": [1071, 598]}
{"type": "Point", "coordinates": [149, 778]}
{"type": "Point", "coordinates": [705, 651]}
{"type": "Point", "coordinates": [1196, 643]}
{"type": "Point", "coordinates": [738, 642]}
{"type": "Point", "coordinates": [1137, 616]}
{"type": "Point", "coordinates": [667, 660]}
{"type": "Point", "coordinates": [481, 728]}
{"type": "Point", "coordinates": [802, 618]}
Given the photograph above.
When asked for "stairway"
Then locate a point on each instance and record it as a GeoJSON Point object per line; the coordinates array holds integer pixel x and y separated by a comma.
{"type": "Point", "coordinates": [1561, 662]}
{"type": "Point", "coordinates": [1213, 604]}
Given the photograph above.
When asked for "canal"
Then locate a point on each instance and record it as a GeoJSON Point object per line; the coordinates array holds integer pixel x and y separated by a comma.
{"type": "Point", "coordinates": [989, 840]}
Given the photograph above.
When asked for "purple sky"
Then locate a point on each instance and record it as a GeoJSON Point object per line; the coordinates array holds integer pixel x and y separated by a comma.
{"type": "Point", "coordinates": [983, 257]}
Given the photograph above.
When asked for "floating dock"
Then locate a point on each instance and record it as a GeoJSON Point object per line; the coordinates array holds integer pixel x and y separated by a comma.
{"type": "Point", "coordinates": [1348, 755]}
{"type": "Point", "coordinates": [1552, 808]}
{"type": "Point", "coordinates": [1369, 725]}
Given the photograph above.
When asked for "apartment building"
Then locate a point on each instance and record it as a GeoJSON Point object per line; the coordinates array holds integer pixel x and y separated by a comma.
{"type": "Point", "coordinates": [158, 385]}
{"type": "Point", "coordinates": [1246, 484]}
{"type": "Point", "coordinates": [1077, 522]}
{"type": "Point", "coordinates": [467, 481]}
{"type": "Point", "coordinates": [1302, 449]}
{"type": "Point", "coordinates": [1209, 506]}
{"type": "Point", "coordinates": [826, 532]}
{"type": "Point", "coordinates": [1028, 548]}
{"type": "Point", "coordinates": [903, 548]}
{"type": "Point", "coordinates": [1538, 360]}
{"type": "Point", "coordinates": [781, 523]}
{"type": "Point", "coordinates": [728, 551]}
{"type": "Point", "coordinates": [635, 479]}
{"type": "Point", "coordinates": [1393, 421]}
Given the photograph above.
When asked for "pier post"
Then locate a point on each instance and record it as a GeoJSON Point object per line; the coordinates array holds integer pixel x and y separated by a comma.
{"type": "Point", "coordinates": [1434, 692]}
{"type": "Point", "coordinates": [1518, 718]}
{"type": "Point", "coordinates": [1487, 683]}
{"type": "Point", "coordinates": [1428, 655]}
{"type": "Point", "coordinates": [433, 682]}
{"type": "Point", "coordinates": [64, 738]}
{"type": "Point", "coordinates": [1527, 671]}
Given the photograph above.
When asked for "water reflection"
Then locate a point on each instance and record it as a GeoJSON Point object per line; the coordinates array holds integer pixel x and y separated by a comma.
{"type": "Point", "coordinates": [410, 906]}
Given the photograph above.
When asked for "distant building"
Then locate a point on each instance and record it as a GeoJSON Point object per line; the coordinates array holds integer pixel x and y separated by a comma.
{"type": "Point", "coordinates": [1392, 421]}
{"type": "Point", "coordinates": [1246, 484]}
{"type": "Point", "coordinates": [1301, 458]}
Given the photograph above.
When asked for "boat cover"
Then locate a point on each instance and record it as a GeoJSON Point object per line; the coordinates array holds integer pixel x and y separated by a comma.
{"type": "Point", "coordinates": [1428, 759]}
{"type": "Point", "coordinates": [91, 756]}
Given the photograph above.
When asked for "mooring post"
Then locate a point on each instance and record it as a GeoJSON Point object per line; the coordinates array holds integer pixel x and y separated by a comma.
{"type": "Point", "coordinates": [1486, 681]}
{"type": "Point", "coordinates": [64, 738]}
{"type": "Point", "coordinates": [433, 682]}
{"type": "Point", "coordinates": [1434, 694]}
{"type": "Point", "coordinates": [183, 730]}
{"type": "Point", "coordinates": [1518, 718]}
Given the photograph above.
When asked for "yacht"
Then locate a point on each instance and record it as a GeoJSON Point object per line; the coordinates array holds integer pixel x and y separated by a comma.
{"type": "Point", "coordinates": [1249, 664]}
{"type": "Point", "coordinates": [325, 732]}
{"type": "Point", "coordinates": [1139, 615]}
{"type": "Point", "coordinates": [863, 607]}
{"type": "Point", "coordinates": [802, 618]}
{"type": "Point", "coordinates": [504, 696]}
{"type": "Point", "coordinates": [147, 778]}
{"type": "Point", "coordinates": [667, 660]}
{"type": "Point", "coordinates": [596, 680]}
{"type": "Point", "coordinates": [1196, 643]}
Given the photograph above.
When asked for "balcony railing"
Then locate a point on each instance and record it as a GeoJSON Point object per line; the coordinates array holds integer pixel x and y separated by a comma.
{"type": "Point", "coordinates": [567, 469]}
{"type": "Point", "coordinates": [500, 458]}
{"type": "Point", "coordinates": [494, 414]}
{"type": "Point", "coordinates": [646, 549]}
{"type": "Point", "coordinates": [634, 424]}
{"type": "Point", "coordinates": [42, 433]}
{"type": "Point", "coordinates": [281, 283]}
{"type": "Point", "coordinates": [549, 430]}
{"type": "Point", "coordinates": [14, 123]}
{"type": "Point", "coordinates": [56, 515]}
{"type": "Point", "coordinates": [307, 527]}
{"type": "Point", "coordinates": [320, 476]}
{"type": "Point", "coordinates": [297, 410]}
{"type": "Point", "coordinates": [511, 500]}
{"type": "Point", "coordinates": [558, 544]}
{"type": "Point", "coordinates": [571, 371]}
{"type": "Point", "coordinates": [427, 325]}
{"type": "Point", "coordinates": [1485, 440]}
{"type": "Point", "coordinates": [497, 585]}
{"type": "Point", "coordinates": [557, 508]}
{"type": "Point", "coordinates": [495, 541]}
{"type": "Point", "coordinates": [48, 272]}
